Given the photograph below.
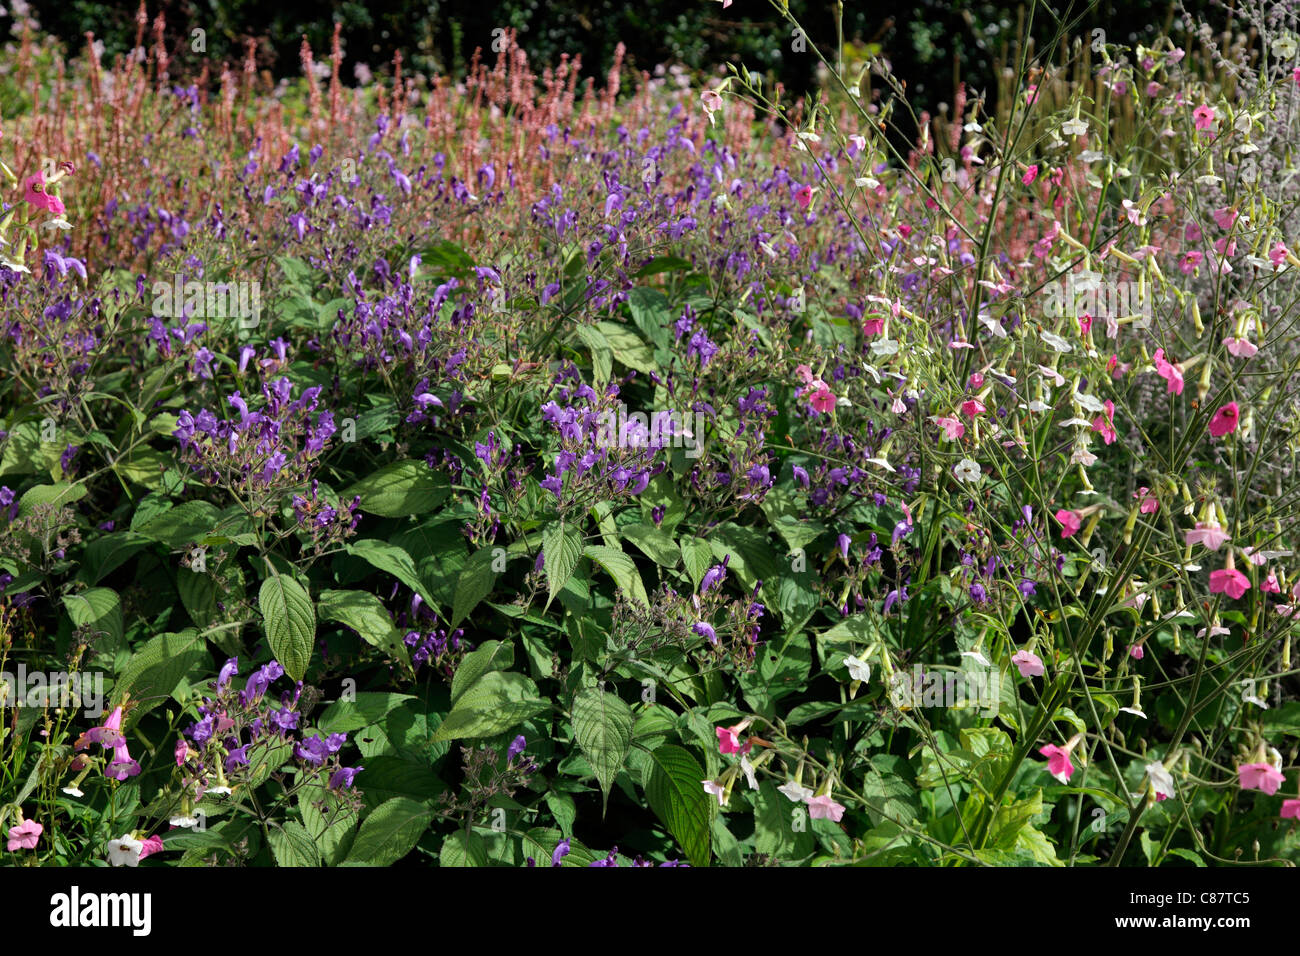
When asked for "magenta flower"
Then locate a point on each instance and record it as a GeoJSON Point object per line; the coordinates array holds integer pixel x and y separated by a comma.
{"type": "Point", "coordinates": [38, 197]}
{"type": "Point", "coordinates": [1203, 116]}
{"type": "Point", "coordinates": [1171, 373]}
{"type": "Point", "coordinates": [1058, 762]}
{"type": "Point", "coordinates": [803, 196]}
{"type": "Point", "coordinates": [150, 846]}
{"type": "Point", "coordinates": [1229, 581]}
{"type": "Point", "coordinates": [1260, 776]}
{"type": "Point", "coordinates": [1225, 420]}
{"type": "Point", "coordinates": [729, 739]}
{"type": "Point", "coordinates": [1070, 522]}
{"type": "Point", "coordinates": [1291, 809]}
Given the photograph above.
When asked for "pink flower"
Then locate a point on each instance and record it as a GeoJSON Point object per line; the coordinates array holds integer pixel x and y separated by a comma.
{"type": "Point", "coordinates": [1260, 776]}
{"type": "Point", "coordinates": [1277, 255]}
{"type": "Point", "coordinates": [1106, 424]}
{"type": "Point", "coordinates": [1136, 652]}
{"type": "Point", "coordinates": [1204, 116]}
{"type": "Point", "coordinates": [152, 845]}
{"type": "Point", "coordinates": [24, 836]}
{"type": "Point", "coordinates": [803, 196]}
{"type": "Point", "coordinates": [729, 741]}
{"type": "Point", "coordinates": [711, 101]}
{"type": "Point", "coordinates": [1242, 348]}
{"type": "Point", "coordinates": [873, 326]}
{"type": "Point", "coordinates": [1058, 762]}
{"type": "Point", "coordinates": [1291, 808]}
{"type": "Point", "coordinates": [824, 808]}
{"type": "Point", "coordinates": [1225, 217]}
{"type": "Point", "coordinates": [38, 197]}
{"type": "Point", "coordinates": [1224, 421]}
{"type": "Point", "coordinates": [1270, 585]}
{"type": "Point", "coordinates": [1171, 373]}
{"type": "Point", "coordinates": [1028, 663]}
{"type": "Point", "coordinates": [1208, 534]}
{"type": "Point", "coordinates": [1030, 174]}
{"type": "Point", "coordinates": [1189, 262]}
{"type": "Point", "coordinates": [804, 373]}
{"type": "Point", "coordinates": [972, 407]}
{"type": "Point", "coordinates": [1070, 522]}
{"type": "Point", "coordinates": [952, 427]}
{"type": "Point", "coordinates": [1147, 504]}
{"type": "Point", "coordinates": [822, 398]}
{"type": "Point", "coordinates": [1229, 581]}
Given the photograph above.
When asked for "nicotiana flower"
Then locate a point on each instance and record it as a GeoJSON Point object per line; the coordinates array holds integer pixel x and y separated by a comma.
{"type": "Point", "coordinates": [1070, 522]}
{"type": "Point", "coordinates": [24, 836]}
{"type": "Point", "coordinates": [125, 851]}
{"type": "Point", "coordinates": [1058, 760]}
{"type": "Point", "coordinates": [1208, 533]}
{"type": "Point", "coordinates": [825, 808]}
{"type": "Point", "coordinates": [967, 470]}
{"type": "Point", "coordinates": [1028, 663]}
{"type": "Point", "coordinates": [1162, 781]}
{"type": "Point", "coordinates": [1224, 421]}
{"type": "Point", "coordinates": [1229, 581]}
{"type": "Point", "coordinates": [795, 792]}
{"type": "Point", "coordinates": [858, 669]}
{"type": "Point", "coordinates": [729, 739]}
{"type": "Point", "coordinates": [717, 789]}
{"type": "Point", "coordinates": [1260, 776]}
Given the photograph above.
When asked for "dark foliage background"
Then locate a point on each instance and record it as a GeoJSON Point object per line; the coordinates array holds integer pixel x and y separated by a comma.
{"type": "Point", "coordinates": [931, 44]}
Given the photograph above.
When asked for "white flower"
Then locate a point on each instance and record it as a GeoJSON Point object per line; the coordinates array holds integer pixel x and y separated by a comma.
{"type": "Point", "coordinates": [1136, 711]}
{"type": "Point", "coordinates": [843, 402]}
{"type": "Point", "coordinates": [1091, 156]}
{"type": "Point", "coordinates": [1090, 402]}
{"type": "Point", "coordinates": [748, 768]}
{"type": "Point", "coordinates": [1038, 406]}
{"type": "Point", "coordinates": [966, 470]}
{"type": "Point", "coordinates": [184, 821]}
{"type": "Point", "coordinates": [796, 793]}
{"type": "Point", "coordinates": [1075, 127]}
{"type": "Point", "coordinates": [1162, 781]}
{"type": "Point", "coordinates": [219, 791]}
{"type": "Point", "coordinates": [858, 669]}
{"type": "Point", "coordinates": [867, 182]}
{"type": "Point", "coordinates": [1056, 342]}
{"type": "Point", "coordinates": [14, 266]}
{"type": "Point", "coordinates": [73, 792]}
{"type": "Point", "coordinates": [1284, 46]}
{"type": "Point", "coordinates": [884, 347]}
{"type": "Point", "coordinates": [882, 463]}
{"type": "Point", "coordinates": [125, 851]}
{"type": "Point", "coordinates": [717, 790]}
{"type": "Point", "coordinates": [977, 657]}
{"type": "Point", "coordinates": [56, 223]}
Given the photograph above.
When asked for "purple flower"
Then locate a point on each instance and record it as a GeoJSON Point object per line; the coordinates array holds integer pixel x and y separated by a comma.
{"type": "Point", "coordinates": [706, 630]}
{"type": "Point", "coordinates": [228, 670]}
{"type": "Point", "coordinates": [344, 777]}
{"type": "Point", "coordinates": [561, 851]}
{"type": "Point", "coordinates": [516, 748]}
{"type": "Point", "coordinates": [713, 577]}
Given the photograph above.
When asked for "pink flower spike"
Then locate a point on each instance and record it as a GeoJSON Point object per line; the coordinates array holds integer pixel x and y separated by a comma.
{"type": "Point", "coordinates": [1260, 776]}
{"type": "Point", "coordinates": [824, 808]}
{"type": "Point", "coordinates": [1028, 663]}
{"type": "Point", "coordinates": [1291, 808]}
{"type": "Point", "coordinates": [1229, 581]}
{"type": "Point", "coordinates": [1058, 762]}
{"type": "Point", "coordinates": [1224, 421]}
{"type": "Point", "coordinates": [24, 836]}
{"type": "Point", "coordinates": [1070, 522]}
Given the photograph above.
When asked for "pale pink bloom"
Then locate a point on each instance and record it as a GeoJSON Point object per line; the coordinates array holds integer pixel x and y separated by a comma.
{"type": "Point", "coordinates": [1070, 522]}
{"type": "Point", "coordinates": [1208, 533]}
{"type": "Point", "coordinates": [824, 808]}
{"type": "Point", "coordinates": [712, 102]}
{"type": "Point", "coordinates": [1242, 348]}
{"type": "Point", "coordinates": [1260, 776]}
{"type": "Point", "coordinates": [1105, 424]}
{"type": "Point", "coordinates": [1188, 263]}
{"type": "Point", "coordinates": [1270, 584]}
{"type": "Point", "coordinates": [1224, 421]}
{"type": "Point", "coordinates": [717, 790]}
{"type": "Point", "coordinates": [1170, 372]}
{"type": "Point", "coordinates": [952, 427]}
{"type": "Point", "coordinates": [805, 373]}
{"type": "Point", "coordinates": [976, 380]}
{"type": "Point", "coordinates": [1028, 663]}
{"type": "Point", "coordinates": [1058, 762]}
{"type": "Point", "coordinates": [1277, 255]}
{"type": "Point", "coordinates": [1133, 213]}
{"type": "Point", "coordinates": [1229, 581]}
{"type": "Point", "coordinates": [1136, 652]}
{"type": "Point", "coordinates": [24, 836]}
{"type": "Point", "coordinates": [1204, 116]}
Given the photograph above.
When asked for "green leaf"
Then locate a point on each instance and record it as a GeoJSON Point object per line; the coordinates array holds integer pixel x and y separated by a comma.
{"type": "Point", "coordinates": [602, 356]}
{"type": "Point", "coordinates": [628, 347]}
{"type": "Point", "coordinates": [474, 584]}
{"type": "Point", "coordinates": [162, 662]}
{"type": "Point", "coordinates": [698, 558]}
{"type": "Point", "coordinates": [494, 703]}
{"type": "Point", "coordinates": [463, 849]}
{"type": "Point", "coordinates": [389, 832]}
{"type": "Point", "coordinates": [57, 495]}
{"type": "Point", "coordinates": [403, 488]}
{"type": "Point", "coordinates": [562, 545]}
{"type": "Point", "coordinates": [621, 568]}
{"type": "Point", "coordinates": [188, 521]}
{"type": "Point", "coordinates": [98, 609]}
{"type": "Point", "coordinates": [675, 792]}
{"type": "Point", "coordinates": [365, 614]}
{"type": "Point", "coordinates": [774, 825]}
{"type": "Point", "coordinates": [602, 726]}
{"type": "Point", "coordinates": [289, 622]}
{"type": "Point", "coordinates": [292, 845]}
{"type": "Point", "coordinates": [394, 560]}
{"type": "Point", "coordinates": [345, 716]}
{"type": "Point", "coordinates": [105, 555]}
{"type": "Point", "coordinates": [491, 656]}
{"type": "Point", "coordinates": [656, 543]}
